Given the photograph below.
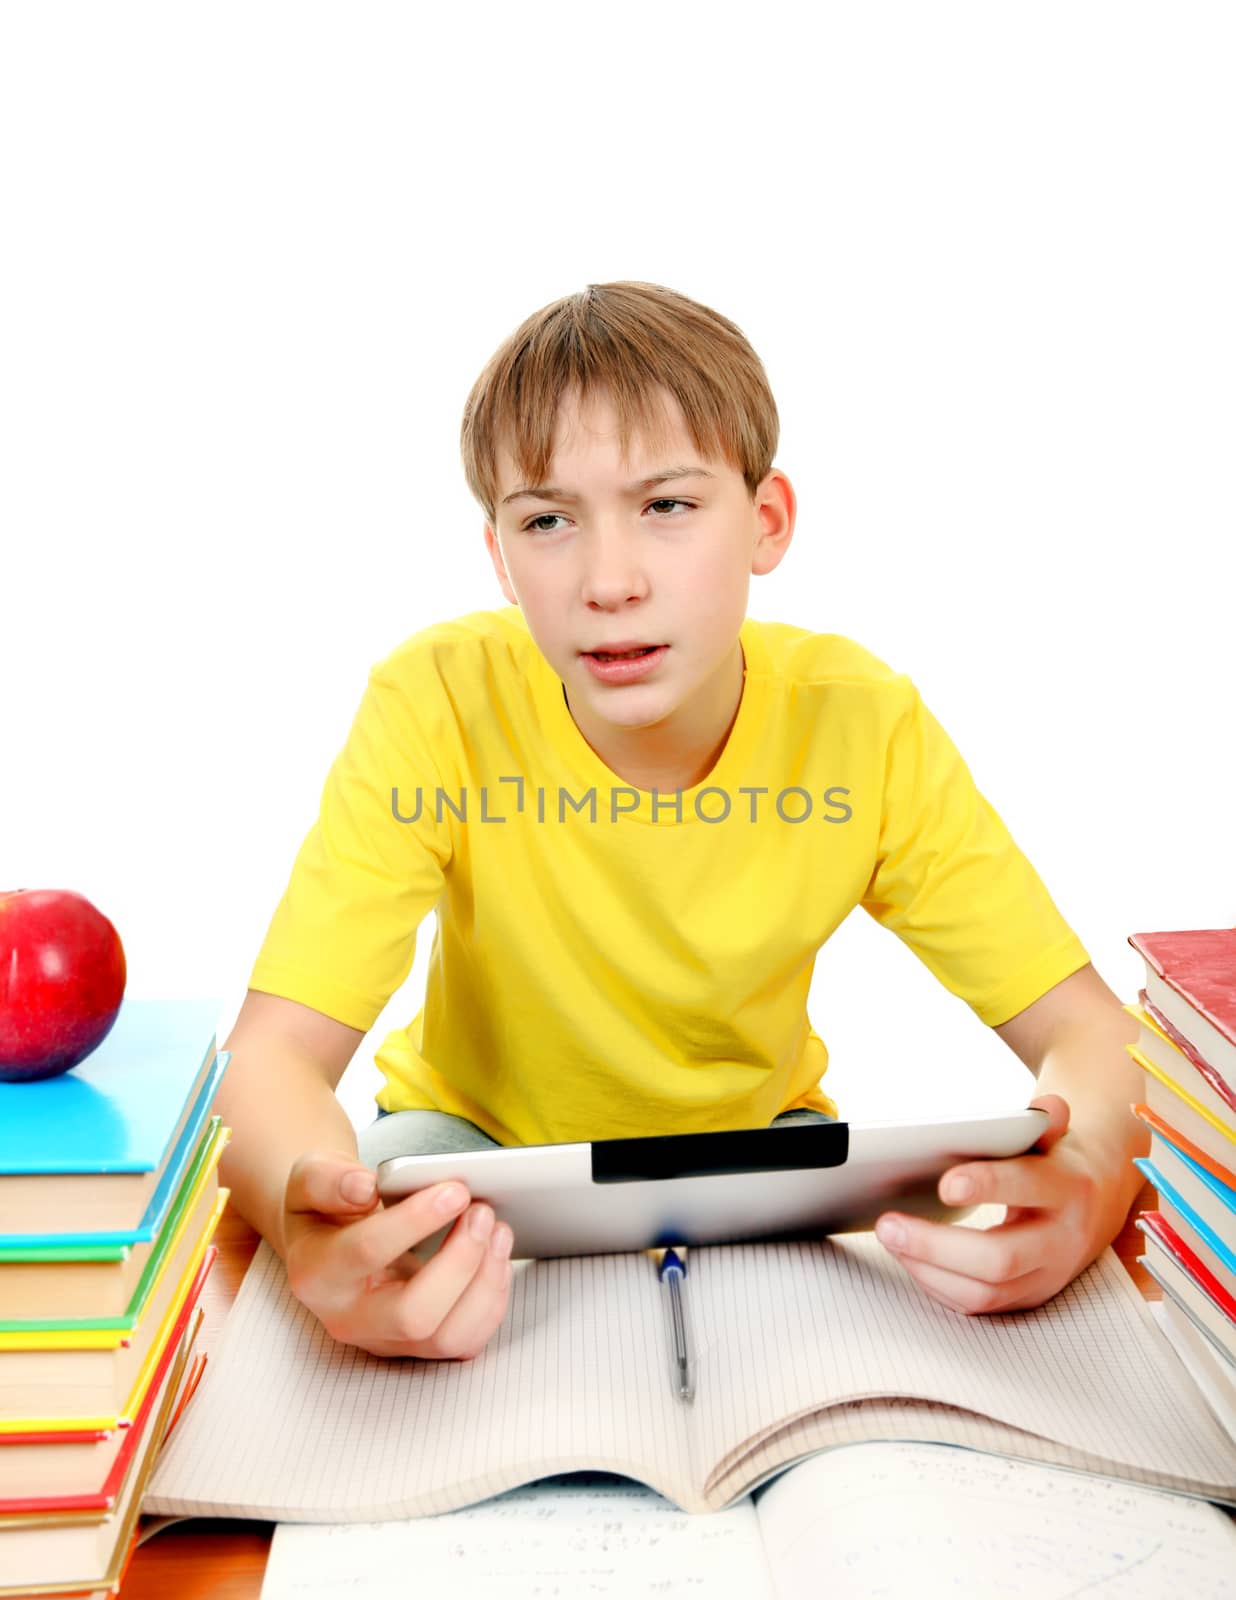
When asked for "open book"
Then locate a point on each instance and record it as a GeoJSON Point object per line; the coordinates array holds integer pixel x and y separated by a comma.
{"type": "Point", "coordinates": [799, 1347]}
{"type": "Point", "coordinates": [866, 1521]}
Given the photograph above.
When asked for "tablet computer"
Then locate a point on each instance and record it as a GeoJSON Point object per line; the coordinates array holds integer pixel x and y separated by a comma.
{"type": "Point", "coordinates": [801, 1180]}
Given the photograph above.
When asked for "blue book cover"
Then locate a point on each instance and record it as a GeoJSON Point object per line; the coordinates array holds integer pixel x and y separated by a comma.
{"type": "Point", "coordinates": [30, 1246]}
{"type": "Point", "coordinates": [115, 1111]}
{"type": "Point", "coordinates": [118, 1110]}
{"type": "Point", "coordinates": [1222, 1248]}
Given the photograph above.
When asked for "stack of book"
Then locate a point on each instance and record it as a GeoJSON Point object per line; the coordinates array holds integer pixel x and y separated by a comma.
{"type": "Point", "coordinates": [1187, 1049]}
{"type": "Point", "coordinates": [109, 1198]}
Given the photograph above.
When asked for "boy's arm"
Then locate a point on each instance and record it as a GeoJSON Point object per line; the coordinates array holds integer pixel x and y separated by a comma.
{"type": "Point", "coordinates": [294, 1174]}
{"type": "Point", "coordinates": [1073, 1039]}
{"type": "Point", "coordinates": [278, 1098]}
{"type": "Point", "coordinates": [1068, 1199]}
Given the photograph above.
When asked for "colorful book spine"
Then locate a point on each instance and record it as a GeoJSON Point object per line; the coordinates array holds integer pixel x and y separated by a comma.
{"type": "Point", "coordinates": [110, 1314]}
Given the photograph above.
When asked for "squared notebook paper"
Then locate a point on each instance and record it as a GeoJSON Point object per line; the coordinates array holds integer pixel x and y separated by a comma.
{"type": "Point", "coordinates": [799, 1347]}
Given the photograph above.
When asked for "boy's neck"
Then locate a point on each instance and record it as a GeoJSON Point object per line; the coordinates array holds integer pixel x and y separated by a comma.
{"type": "Point", "coordinates": [678, 753]}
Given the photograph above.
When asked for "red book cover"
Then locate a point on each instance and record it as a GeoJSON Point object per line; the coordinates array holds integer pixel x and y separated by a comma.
{"type": "Point", "coordinates": [1154, 1222]}
{"type": "Point", "coordinates": [1224, 1090]}
{"type": "Point", "coordinates": [104, 1498]}
{"type": "Point", "coordinates": [83, 1436]}
{"type": "Point", "coordinates": [1200, 964]}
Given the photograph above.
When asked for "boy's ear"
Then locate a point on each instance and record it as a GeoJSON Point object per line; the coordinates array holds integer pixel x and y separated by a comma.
{"type": "Point", "coordinates": [775, 510]}
{"type": "Point", "coordinates": [495, 555]}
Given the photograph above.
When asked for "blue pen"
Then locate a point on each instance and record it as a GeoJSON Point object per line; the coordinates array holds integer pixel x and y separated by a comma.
{"type": "Point", "coordinates": [671, 1273]}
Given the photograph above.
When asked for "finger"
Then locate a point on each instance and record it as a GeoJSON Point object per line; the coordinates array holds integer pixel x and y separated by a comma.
{"type": "Point", "coordinates": [995, 1255]}
{"type": "Point", "coordinates": [974, 1297]}
{"type": "Point", "coordinates": [475, 1317]}
{"type": "Point", "coordinates": [374, 1242]}
{"type": "Point", "coordinates": [1031, 1180]}
{"type": "Point", "coordinates": [329, 1183]}
{"type": "Point", "coordinates": [1057, 1109]}
{"type": "Point", "coordinates": [413, 1312]}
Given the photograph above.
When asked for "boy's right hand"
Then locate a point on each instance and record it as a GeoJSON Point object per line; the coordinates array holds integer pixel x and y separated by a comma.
{"type": "Point", "coordinates": [346, 1260]}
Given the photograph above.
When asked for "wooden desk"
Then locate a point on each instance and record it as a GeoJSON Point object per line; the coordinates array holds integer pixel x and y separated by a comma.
{"type": "Point", "coordinates": [216, 1559]}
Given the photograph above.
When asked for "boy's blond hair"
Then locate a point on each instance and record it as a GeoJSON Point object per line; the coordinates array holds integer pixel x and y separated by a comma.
{"type": "Point", "coordinates": [625, 339]}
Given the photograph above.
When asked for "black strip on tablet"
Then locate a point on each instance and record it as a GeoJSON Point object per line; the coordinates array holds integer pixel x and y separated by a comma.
{"type": "Point", "coordinates": [706, 1155]}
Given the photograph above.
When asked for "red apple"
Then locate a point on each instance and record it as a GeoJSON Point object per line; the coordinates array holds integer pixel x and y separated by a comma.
{"type": "Point", "coordinates": [62, 976]}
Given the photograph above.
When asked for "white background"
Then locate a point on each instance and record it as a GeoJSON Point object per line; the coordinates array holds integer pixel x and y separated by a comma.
{"type": "Point", "coordinates": [255, 256]}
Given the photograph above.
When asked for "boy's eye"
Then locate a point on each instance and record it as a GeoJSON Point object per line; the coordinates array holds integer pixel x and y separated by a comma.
{"type": "Point", "coordinates": [550, 516]}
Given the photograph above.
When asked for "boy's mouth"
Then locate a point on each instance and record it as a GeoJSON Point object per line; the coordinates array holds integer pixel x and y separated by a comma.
{"type": "Point", "coordinates": [626, 654]}
{"type": "Point", "coordinates": [624, 662]}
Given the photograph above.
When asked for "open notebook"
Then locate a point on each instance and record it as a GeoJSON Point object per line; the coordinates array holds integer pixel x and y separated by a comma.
{"type": "Point", "coordinates": [869, 1521]}
{"type": "Point", "coordinates": [799, 1347]}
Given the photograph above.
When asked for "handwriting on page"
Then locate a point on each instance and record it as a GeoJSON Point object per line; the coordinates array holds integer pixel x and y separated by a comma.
{"type": "Point", "coordinates": [965, 1523]}
{"type": "Point", "coordinates": [564, 1539]}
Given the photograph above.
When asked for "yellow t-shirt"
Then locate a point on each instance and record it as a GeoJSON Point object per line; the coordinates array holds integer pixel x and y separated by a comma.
{"type": "Point", "coordinates": [607, 962]}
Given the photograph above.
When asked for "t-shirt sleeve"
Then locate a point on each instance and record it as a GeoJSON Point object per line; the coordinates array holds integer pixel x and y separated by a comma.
{"type": "Point", "coordinates": [343, 936]}
{"type": "Point", "coordinates": [951, 883]}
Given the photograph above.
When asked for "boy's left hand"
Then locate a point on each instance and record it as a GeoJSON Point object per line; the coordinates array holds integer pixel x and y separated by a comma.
{"type": "Point", "coordinates": [1054, 1226]}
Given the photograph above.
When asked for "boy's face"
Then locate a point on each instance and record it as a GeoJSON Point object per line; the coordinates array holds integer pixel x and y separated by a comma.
{"type": "Point", "coordinates": [606, 563]}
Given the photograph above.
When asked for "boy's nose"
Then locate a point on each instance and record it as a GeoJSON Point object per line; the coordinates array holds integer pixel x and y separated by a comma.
{"type": "Point", "coordinates": [613, 570]}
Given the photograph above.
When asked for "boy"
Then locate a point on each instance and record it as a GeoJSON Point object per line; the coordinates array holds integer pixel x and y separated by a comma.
{"type": "Point", "coordinates": [635, 862]}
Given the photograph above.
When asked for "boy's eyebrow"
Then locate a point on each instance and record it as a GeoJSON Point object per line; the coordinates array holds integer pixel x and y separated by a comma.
{"type": "Point", "coordinates": [548, 491]}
